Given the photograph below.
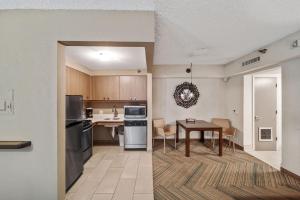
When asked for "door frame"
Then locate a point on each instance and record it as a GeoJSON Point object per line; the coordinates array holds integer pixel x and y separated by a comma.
{"type": "Point", "coordinates": [61, 91]}
{"type": "Point", "coordinates": [278, 106]}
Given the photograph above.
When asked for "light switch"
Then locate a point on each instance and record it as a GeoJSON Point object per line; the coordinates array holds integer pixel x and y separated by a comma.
{"type": "Point", "coordinates": [6, 101]}
{"type": "Point", "coordinates": [2, 105]}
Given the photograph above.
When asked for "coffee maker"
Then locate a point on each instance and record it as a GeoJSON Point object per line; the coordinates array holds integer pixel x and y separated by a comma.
{"type": "Point", "coordinates": [89, 112]}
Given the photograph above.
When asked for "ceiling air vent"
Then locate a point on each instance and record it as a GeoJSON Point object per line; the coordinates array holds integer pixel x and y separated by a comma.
{"type": "Point", "coordinates": [251, 61]}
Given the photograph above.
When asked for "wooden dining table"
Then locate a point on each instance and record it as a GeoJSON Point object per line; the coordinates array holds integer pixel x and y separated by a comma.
{"type": "Point", "coordinates": [198, 125]}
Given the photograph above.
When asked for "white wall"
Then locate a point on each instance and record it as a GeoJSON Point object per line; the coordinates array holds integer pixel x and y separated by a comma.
{"type": "Point", "coordinates": [249, 106]}
{"type": "Point", "coordinates": [234, 105]}
{"type": "Point", "coordinates": [28, 64]}
{"type": "Point", "coordinates": [211, 102]}
{"type": "Point", "coordinates": [248, 112]}
{"type": "Point", "coordinates": [291, 115]}
{"type": "Point", "coordinates": [279, 51]}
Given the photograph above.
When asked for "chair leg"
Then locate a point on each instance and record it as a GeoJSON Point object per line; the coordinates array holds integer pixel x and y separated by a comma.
{"type": "Point", "coordinates": [175, 141]}
{"type": "Point", "coordinates": [164, 144]}
{"type": "Point", "coordinates": [213, 140]}
{"type": "Point", "coordinates": [233, 145]}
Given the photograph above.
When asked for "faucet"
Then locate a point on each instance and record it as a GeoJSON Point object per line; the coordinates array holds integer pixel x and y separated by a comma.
{"type": "Point", "coordinates": [114, 110]}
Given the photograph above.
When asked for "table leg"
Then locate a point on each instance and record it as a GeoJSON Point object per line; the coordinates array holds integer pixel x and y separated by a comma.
{"type": "Point", "coordinates": [220, 142]}
{"type": "Point", "coordinates": [187, 143]}
{"type": "Point", "coordinates": [177, 132]}
{"type": "Point", "coordinates": [202, 136]}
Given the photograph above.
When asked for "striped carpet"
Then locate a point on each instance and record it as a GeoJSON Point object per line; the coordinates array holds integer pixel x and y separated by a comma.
{"type": "Point", "coordinates": [207, 176]}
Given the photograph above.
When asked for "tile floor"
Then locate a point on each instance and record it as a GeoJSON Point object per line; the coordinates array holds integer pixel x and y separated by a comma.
{"type": "Point", "coordinates": [272, 158]}
{"type": "Point", "coordinates": [115, 174]}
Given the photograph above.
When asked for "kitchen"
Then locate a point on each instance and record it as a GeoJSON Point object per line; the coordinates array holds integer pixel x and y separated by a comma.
{"type": "Point", "coordinates": [106, 107]}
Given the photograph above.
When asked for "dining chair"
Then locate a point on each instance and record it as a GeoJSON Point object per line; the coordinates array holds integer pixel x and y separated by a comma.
{"type": "Point", "coordinates": [228, 132]}
{"type": "Point", "coordinates": [164, 130]}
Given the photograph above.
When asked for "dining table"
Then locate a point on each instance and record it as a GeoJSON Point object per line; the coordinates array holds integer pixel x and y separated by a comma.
{"type": "Point", "coordinates": [201, 126]}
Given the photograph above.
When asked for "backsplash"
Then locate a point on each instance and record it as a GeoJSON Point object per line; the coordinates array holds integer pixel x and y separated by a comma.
{"type": "Point", "coordinates": [107, 110]}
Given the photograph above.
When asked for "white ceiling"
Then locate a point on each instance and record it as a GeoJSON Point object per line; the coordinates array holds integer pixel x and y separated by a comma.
{"type": "Point", "coordinates": [107, 58]}
{"type": "Point", "coordinates": [201, 31]}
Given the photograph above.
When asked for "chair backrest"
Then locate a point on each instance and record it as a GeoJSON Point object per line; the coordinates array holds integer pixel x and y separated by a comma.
{"type": "Point", "coordinates": [224, 123]}
{"type": "Point", "coordinates": [159, 123]}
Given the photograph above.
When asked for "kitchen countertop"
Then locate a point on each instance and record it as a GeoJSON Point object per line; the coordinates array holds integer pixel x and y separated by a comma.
{"type": "Point", "coordinates": [107, 118]}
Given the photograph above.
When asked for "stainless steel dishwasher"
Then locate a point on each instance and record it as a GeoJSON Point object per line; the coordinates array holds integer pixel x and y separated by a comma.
{"type": "Point", "coordinates": [135, 133]}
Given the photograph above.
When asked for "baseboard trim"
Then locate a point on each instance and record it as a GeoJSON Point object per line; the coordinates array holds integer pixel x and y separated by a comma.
{"type": "Point", "coordinates": [226, 141]}
{"type": "Point", "coordinates": [295, 176]}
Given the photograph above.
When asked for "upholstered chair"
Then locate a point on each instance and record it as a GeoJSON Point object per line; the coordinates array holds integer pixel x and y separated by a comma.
{"type": "Point", "coordinates": [161, 129]}
{"type": "Point", "coordinates": [228, 131]}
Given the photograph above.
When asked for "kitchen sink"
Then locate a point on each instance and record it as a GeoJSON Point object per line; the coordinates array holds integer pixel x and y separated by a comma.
{"type": "Point", "coordinates": [115, 118]}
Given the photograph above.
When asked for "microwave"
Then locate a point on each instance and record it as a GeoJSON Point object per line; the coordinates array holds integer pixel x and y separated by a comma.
{"type": "Point", "coordinates": [135, 112]}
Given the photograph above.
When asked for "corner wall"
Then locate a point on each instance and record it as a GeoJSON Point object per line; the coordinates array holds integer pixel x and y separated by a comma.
{"type": "Point", "coordinates": [28, 64]}
{"type": "Point", "coordinates": [283, 54]}
{"type": "Point", "coordinates": [211, 86]}
{"type": "Point", "coordinates": [291, 115]}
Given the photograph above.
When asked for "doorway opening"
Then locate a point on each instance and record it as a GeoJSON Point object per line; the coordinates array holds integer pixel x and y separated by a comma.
{"type": "Point", "coordinates": [262, 116]}
{"type": "Point", "coordinates": [84, 87]}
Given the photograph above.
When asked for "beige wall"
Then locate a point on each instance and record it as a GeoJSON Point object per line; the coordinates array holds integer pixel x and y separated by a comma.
{"type": "Point", "coordinates": [211, 102]}
{"type": "Point", "coordinates": [282, 54]}
{"type": "Point", "coordinates": [28, 64]}
{"type": "Point", "coordinates": [291, 115]}
{"type": "Point", "coordinates": [278, 51]}
{"type": "Point", "coordinates": [234, 105]}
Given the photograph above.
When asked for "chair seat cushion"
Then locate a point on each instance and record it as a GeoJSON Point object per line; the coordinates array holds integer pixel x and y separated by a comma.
{"type": "Point", "coordinates": [169, 133]}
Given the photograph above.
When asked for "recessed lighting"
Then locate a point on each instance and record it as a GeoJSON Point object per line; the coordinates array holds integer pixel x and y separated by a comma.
{"type": "Point", "coordinates": [105, 56]}
{"type": "Point", "coordinates": [108, 56]}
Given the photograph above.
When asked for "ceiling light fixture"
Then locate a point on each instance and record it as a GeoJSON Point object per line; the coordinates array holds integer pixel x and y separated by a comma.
{"type": "Point", "coordinates": [106, 56]}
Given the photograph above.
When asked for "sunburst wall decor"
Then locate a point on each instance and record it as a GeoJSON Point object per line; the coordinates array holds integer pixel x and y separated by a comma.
{"type": "Point", "coordinates": [186, 94]}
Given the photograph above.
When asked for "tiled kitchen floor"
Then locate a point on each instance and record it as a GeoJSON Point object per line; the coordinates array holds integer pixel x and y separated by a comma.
{"type": "Point", "coordinates": [115, 174]}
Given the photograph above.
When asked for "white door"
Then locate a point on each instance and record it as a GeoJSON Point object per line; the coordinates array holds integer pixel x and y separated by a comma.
{"type": "Point", "coordinates": [265, 113]}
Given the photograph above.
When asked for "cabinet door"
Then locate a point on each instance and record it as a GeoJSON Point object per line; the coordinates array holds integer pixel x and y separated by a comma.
{"type": "Point", "coordinates": [68, 84]}
{"type": "Point", "coordinates": [74, 82]}
{"type": "Point", "coordinates": [127, 84]}
{"type": "Point", "coordinates": [106, 87]}
{"type": "Point", "coordinates": [77, 83]}
{"type": "Point", "coordinates": [86, 86]}
{"type": "Point", "coordinates": [140, 88]}
{"type": "Point", "coordinates": [98, 88]}
{"type": "Point", "coordinates": [112, 86]}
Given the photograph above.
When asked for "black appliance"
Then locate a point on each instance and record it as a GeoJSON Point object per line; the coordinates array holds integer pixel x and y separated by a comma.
{"type": "Point", "coordinates": [135, 112]}
{"type": "Point", "coordinates": [74, 128]}
{"type": "Point", "coordinates": [87, 139]}
{"type": "Point", "coordinates": [89, 112]}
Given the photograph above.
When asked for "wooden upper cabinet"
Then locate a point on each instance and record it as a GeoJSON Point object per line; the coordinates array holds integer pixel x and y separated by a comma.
{"type": "Point", "coordinates": [106, 87]}
{"type": "Point", "coordinates": [78, 83]}
{"type": "Point", "coordinates": [126, 87]}
{"type": "Point", "coordinates": [133, 87]}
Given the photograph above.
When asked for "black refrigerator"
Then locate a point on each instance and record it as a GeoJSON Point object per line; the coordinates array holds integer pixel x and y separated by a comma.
{"type": "Point", "coordinates": [74, 128]}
